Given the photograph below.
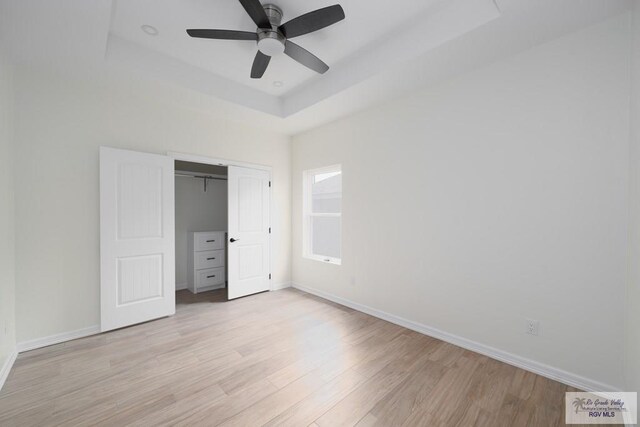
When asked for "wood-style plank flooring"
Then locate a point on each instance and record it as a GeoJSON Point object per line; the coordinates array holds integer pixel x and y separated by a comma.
{"type": "Point", "coordinates": [282, 358]}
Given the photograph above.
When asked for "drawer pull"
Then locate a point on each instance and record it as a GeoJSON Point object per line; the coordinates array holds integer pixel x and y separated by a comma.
{"type": "Point", "coordinates": [209, 259]}
{"type": "Point", "coordinates": [209, 277]}
{"type": "Point", "coordinates": [210, 241]}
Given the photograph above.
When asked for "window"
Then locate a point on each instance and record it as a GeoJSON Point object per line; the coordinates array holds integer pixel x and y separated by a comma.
{"type": "Point", "coordinates": [322, 210]}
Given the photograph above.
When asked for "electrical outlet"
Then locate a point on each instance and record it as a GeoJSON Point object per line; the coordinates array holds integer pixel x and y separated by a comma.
{"type": "Point", "coordinates": [532, 327]}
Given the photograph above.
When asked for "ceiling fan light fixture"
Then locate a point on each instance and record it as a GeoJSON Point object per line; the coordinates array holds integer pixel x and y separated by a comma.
{"type": "Point", "coordinates": [271, 43]}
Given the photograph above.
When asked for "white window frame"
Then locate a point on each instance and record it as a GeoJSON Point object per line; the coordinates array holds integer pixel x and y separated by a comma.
{"type": "Point", "coordinates": [307, 214]}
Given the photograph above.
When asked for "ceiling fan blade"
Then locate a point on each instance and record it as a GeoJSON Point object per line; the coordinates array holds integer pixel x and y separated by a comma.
{"type": "Point", "coordinates": [223, 34]}
{"type": "Point", "coordinates": [259, 66]}
{"type": "Point", "coordinates": [312, 21]}
{"type": "Point", "coordinates": [305, 57]}
{"type": "Point", "coordinates": [256, 12]}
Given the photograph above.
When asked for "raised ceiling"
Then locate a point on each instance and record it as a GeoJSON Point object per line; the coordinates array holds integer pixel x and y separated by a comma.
{"type": "Point", "coordinates": [373, 35]}
{"type": "Point", "coordinates": [382, 49]}
{"type": "Point", "coordinates": [366, 22]}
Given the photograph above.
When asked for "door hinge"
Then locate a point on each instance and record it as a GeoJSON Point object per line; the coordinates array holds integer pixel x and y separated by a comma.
{"type": "Point", "coordinates": [269, 276]}
{"type": "Point", "coordinates": [269, 183]}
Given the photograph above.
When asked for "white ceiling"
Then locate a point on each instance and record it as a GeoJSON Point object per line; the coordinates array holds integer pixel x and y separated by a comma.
{"type": "Point", "coordinates": [382, 49]}
{"type": "Point", "coordinates": [366, 21]}
{"type": "Point", "coordinates": [373, 35]}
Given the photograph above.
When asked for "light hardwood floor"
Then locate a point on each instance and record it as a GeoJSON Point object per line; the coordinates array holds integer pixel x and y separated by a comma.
{"type": "Point", "coordinates": [282, 358]}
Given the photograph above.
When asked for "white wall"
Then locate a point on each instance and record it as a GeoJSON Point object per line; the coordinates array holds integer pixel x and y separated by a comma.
{"type": "Point", "coordinates": [60, 123]}
{"type": "Point", "coordinates": [7, 220]}
{"type": "Point", "coordinates": [495, 197]}
{"type": "Point", "coordinates": [197, 210]}
{"type": "Point", "coordinates": [633, 296]}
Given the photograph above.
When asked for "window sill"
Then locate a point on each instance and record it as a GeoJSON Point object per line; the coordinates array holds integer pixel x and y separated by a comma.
{"type": "Point", "coordinates": [324, 260]}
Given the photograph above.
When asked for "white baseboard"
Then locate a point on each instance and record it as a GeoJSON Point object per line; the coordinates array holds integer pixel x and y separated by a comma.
{"type": "Point", "coordinates": [6, 367]}
{"type": "Point", "coordinates": [278, 286]}
{"type": "Point", "coordinates": [542, 369]}
{"type": "Point", "coordinates": [181, 286]}
{"type": "Point", "coordinates": [57, 338]}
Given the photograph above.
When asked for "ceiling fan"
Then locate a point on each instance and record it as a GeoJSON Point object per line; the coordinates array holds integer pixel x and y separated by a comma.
{"type": "Point", "coordinates": [273, 37]}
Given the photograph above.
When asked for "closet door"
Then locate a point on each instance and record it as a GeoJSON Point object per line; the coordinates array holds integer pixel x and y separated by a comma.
{"type": "Point", "coordinates": [249, 249]}
{"type": "Point", "coordinates": [137, 259]}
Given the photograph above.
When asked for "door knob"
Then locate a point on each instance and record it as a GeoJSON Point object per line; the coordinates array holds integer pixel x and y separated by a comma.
{"type": "Point", "coordinates": [233, 240]}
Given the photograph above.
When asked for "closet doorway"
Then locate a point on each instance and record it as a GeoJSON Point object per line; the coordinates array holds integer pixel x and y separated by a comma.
{"type": "Point", "coordinates": [201, 226]}
{"type": "Point", "coordinates": [148, 206]}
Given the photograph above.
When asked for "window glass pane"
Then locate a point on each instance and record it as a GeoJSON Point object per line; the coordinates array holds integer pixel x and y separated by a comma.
{"type": "Point", "coordinates": [326, 193]}
{"type": "Point", "coordinates": [326, 236]}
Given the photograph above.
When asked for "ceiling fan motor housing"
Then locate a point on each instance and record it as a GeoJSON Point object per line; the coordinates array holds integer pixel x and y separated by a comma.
{"type": "Point", "coordinates": [274, 13]}
{"type": "Point", "coordinates": [271, 41]}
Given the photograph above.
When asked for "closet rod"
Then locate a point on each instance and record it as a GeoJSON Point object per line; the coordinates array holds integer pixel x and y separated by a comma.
{"type": "Point", "coordinates": [201, 176]}
{"type": "Point", "coordinates": [204, 178]}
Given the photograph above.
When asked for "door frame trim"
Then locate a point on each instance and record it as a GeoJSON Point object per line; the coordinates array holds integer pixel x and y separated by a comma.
{"type": "Point", "coordinates": [216, 161]}
{"type": "Point", "coordinates": [225, 162]}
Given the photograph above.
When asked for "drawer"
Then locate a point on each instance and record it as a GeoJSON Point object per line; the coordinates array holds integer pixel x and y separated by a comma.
{"type": "Point", "coordinates": [208, 259]}
{"type": "Point", "coordinates": [209, 277]}
{"type": "Point", "coordinates": [208, 241]}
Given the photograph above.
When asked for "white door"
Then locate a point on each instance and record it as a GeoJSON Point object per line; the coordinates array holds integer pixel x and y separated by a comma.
{"type": "Point", "coordinates": [249, 249]}
{"type": "Point", "coordinates": [137, 233]}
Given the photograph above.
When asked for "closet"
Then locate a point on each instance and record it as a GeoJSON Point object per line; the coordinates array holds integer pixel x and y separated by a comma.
{"type": "Point", "coordinates": [201, 226]}
{"type": "Point", "coordinates": [179, 222]}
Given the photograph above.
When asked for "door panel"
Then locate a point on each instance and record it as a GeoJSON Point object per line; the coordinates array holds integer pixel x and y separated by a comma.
{"type": "Point", "coordinates": [139, 201]}
{"type": "Point", "coordinates": [249, 221]}
{"type": "Point", "coordinates": [139, 278]}
{"type": "Point", "coordinates": [137, 259]}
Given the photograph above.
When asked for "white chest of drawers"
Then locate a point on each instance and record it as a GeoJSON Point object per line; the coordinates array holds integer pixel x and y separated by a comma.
{"type": "Point", "coordinates": [206, 260]}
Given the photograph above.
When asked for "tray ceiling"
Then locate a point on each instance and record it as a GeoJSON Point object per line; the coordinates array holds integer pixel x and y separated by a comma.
{"type": "Point", "coordinates": [380, 51]}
